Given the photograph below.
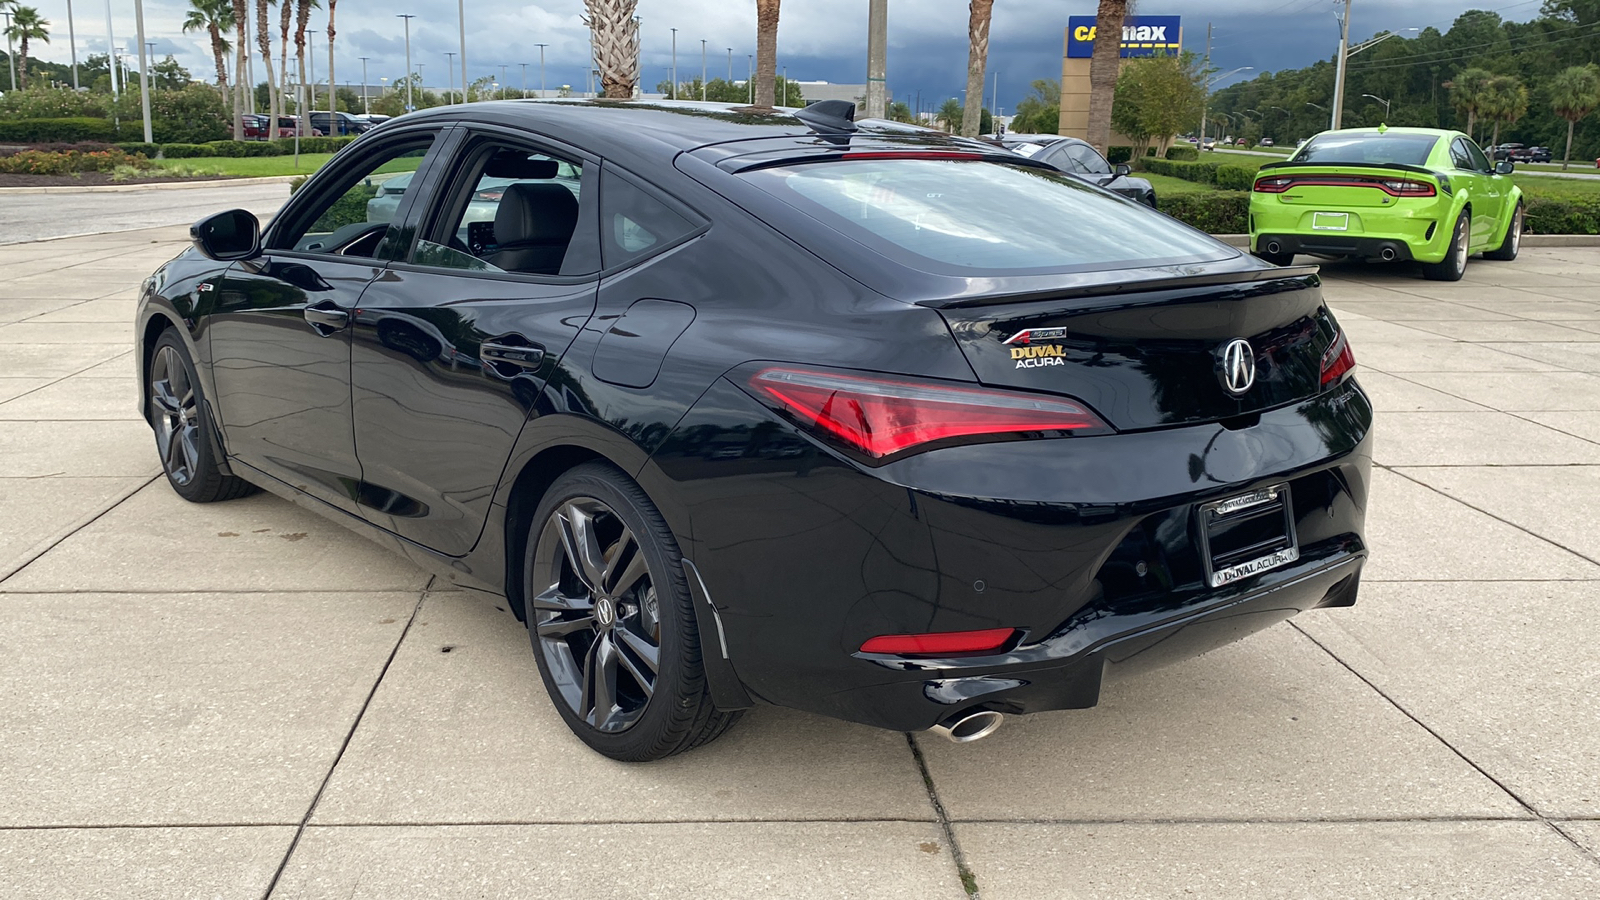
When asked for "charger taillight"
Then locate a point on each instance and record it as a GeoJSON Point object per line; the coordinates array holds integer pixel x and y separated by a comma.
{"type": "Point", "coordinates": [1338, 359]}
{"type": "Point", "coordinates": [879, 416]}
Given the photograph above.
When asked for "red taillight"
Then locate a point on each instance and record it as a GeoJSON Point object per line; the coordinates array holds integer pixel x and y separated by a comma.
{"type": "Point", "coordinates": [1273, 185]}
{"type": "Point", "coordinates": [880, 416]}
{"type": "Point", "coordinates": [1395, 187]}
{"type": "Point", "coordinates": [1404, 188]}
{"type": "Point", "coordinates": [1338, 359]}
{"type": "Point", "coordinates": [940, 643]}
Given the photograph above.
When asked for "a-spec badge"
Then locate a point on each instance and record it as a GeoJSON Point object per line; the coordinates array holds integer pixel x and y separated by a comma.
{"type": "Point", "coordinates": [1029, 335]}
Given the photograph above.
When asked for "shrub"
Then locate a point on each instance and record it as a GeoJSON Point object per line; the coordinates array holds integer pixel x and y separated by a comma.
{"type": "Point", "coordinates": [43, 131]}
{"type": "Point", "coordinates": [1215, 212]}
{"type": "Point", "coordinates": [184, 151]}
{"type": "Point", "coordinates": [1561, 215]}
{"type": "Point", "coordinates": [193, 115]}
{"type": "Point", "coordinates": [1118, 154]}
{"type": "Point", "coordinates": [1149, 151]}
{"type": "Point", "coordinates": [314, 144]}
{"type": "Point", "coordinates": [1198, 172]}
{"type": "Point", "coordinates": [148, 150]}
{"type": "Point", "coordinates": [80, 146]}
{"type": "Point", "coordinates": [1235, 178]}
{"type": "Point", "coordinates": [53, 104]}
{"type": "Point", "coordinates": [45, 162]}
{"type": "Point", "coordinates": [243, 148]}
{"type": "Point", "coordinates": [1183, 151]}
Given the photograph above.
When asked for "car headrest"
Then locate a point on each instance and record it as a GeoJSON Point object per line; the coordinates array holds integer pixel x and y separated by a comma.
{"type": "Point", "coordinates": [512, 164]}
{"type": "Point", "coordinates": [533, 212]}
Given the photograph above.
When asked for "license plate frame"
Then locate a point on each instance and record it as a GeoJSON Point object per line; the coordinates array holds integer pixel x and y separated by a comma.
{"type": "Point", "coordinates": [1330, 221]}
{"type": "Point", "coordinates": [1270, 512]}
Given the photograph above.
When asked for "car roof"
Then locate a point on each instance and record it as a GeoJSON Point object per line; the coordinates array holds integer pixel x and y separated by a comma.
{"type": "Point", "coordinates": [1436, 132]}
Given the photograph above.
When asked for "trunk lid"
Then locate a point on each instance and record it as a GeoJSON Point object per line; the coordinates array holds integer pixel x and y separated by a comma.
{"type": "Point", "coordinates": [1158, 355]}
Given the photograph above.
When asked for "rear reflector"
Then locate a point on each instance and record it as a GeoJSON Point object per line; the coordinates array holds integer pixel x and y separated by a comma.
{"type": "Point", "coordinates": [940, 643]}
{"type": "Point", "coordinates": [1338, 359]}
{"type": "Point", "coordinates": [879, 416]}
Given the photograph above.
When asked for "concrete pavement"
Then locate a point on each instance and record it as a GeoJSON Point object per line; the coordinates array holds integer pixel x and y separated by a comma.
{"type": "Point", "coordinates": [245, 700]}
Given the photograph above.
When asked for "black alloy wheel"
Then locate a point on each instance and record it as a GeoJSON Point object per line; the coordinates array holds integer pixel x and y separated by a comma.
{"type": "Point", "coordinates": [612, 622]}
{"type": "Point", "coordinates": [1454, 265]}
{"type": "Point", "coordinates": [184, 440]}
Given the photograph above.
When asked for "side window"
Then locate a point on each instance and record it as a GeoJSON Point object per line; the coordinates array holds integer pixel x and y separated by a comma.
{"type": "Point", "coordinates": [512, 210]}
{"type": "Point", "coordinates": [1090, 161]}
{"type": "Point", "coordinates": [354, 215]}
{"type": "Point", "coordinates": [1459, 156]}
{"type": "Point", "coordinates": [1479, 161]}
{"type": "Point", "coordinates": [634, 224]}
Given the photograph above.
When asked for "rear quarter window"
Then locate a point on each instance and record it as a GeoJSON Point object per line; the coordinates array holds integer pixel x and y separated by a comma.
{"type": "Point", "coordinates": [970, 217]}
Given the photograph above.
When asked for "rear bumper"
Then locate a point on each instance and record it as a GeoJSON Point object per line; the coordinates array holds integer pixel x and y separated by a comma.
{"type": "Point", "coordinates": [1338, 245]}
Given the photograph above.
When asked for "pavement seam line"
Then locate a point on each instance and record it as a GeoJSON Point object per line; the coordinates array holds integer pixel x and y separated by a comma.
{"type": "Point", "coordinates": [969, 881]}
{"type": "Point", "coordinates": [1519, 415]}
{"type": "Point", "coordinates": [1538, 816]}
{"type": "Point", "coordinates": [32, 554]}
{"type": "Point", "coordinates": [1533, 534]}
{"type": "Point", "coordinates": [344, 745]}
{"type": "Point", "coordinates": [41, 387]}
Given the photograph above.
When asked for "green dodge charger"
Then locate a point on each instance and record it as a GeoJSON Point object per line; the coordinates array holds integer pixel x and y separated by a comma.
{"type": "Point", "coordinates": [1387, 193]}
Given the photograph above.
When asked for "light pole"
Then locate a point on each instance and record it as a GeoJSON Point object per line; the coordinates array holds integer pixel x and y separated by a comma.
{"type": "Point", "coordinates": [541, 69]}
{"type": "Point", "coordinates": [111, 42]}
{"type": "Point", "coordinates": [730, 66]}
{"type": "Point", "coordinates": [702, 70]}
{"type": "Point", "coordinates": [72, 39]}
{"type": "Point", "coordinates": [785, 85]}
{"type": "Point", "coordinates": [750, 76]}
{"type": "Point", "coordinates": [450, 76]}
{"type": "Point", "coordinates": [502, 81]}
{"type": "Point", "coordinates": [1383, 101]}
{"type": "Point", "coordinates": [11, 53]}
{"type": "Point", "coordinates": [407, 17]}
{"type": "Point", "coordinates": [144, 69]}
{"type": "Point", "coordinates": [524, 80]}
{"type": "Point", "coordinates": [674, 64]}
{"type": "Point", "coordinates": [461, 13]}
{"type": "Point", "coordinates": [366, 109]}
{"type": "Point", "coordinates": [1345, 52]}
{"type": "Point", "coordinates": [1205, 96]}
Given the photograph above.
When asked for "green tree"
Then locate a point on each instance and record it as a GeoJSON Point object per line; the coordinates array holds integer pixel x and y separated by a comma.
{"type": "Point", "coordinates": [215, 18]}
{"type": "Point", "coordinates": [1505, 101]}
{"type": "Point", "coordinates": [899, 112]}
{"type": "Point", "coordinates": [1040, 111]}
{"type": "Point", "coordinates": [1162, 95]}
{"type": "Point", "coordinates": [1574, 93]}
{"type": "Point", "coordinates": [169, 75]}
{"type": "Point", "coordinates": [1469, 91]}
{"type": "Point", "coordinates": [950, 114]}
{"type": "Point", "coordinates": [27, 25]}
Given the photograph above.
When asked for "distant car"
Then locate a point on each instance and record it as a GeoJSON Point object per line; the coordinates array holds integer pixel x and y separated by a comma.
{"type": "Point", "coordinates": [1540, 154]}
{"type": "Point", "coordinates": [1388, 193]}
{"type": "Point", "coordinates": [255, 127]}
{"type": "Point", "coordinates": [1265, 142]}
{"type": "Point", "coordinates": [1505, 151]}
{"type": "Point", "coordinates": [289, 126]}
{"type": "Point", "coordinates": [342, 124]}
{"type": "Point", "coordinates": [1208, 144]}
{"type": "Point", "coordinates": [1079, 158]}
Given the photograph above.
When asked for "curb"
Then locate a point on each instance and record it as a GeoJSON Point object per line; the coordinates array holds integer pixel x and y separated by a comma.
{"type": "Point", "coordinates": [1528, 240]}
{"type": "Point", "coordinates": [156, 186]}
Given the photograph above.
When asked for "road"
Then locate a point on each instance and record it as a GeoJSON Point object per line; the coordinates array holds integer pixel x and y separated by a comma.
{"type": "Point", "coordinates": [33, 217]}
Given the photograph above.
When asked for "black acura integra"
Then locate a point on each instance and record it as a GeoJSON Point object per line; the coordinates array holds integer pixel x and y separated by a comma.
{"type": "Point", "coordinates": [734, 407]}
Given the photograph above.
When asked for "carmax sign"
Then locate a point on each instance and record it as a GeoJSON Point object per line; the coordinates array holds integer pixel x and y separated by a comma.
{"type": "Point", "coordinates": [1141, 36]}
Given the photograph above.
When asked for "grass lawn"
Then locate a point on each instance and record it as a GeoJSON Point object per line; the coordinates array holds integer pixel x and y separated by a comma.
{"type": "Point", "coordinates": [1565, 188]}
{"type": "Point", "coordinates": [1167, 186]}
{"type": "Point", "coordinates": [245, 167]}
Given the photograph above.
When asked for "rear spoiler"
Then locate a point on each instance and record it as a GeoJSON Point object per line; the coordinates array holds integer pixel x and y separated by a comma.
{"type": "Point", "coordinates": [1145, 285]}
{"type": "Point", "coordinates": [1397, 167]}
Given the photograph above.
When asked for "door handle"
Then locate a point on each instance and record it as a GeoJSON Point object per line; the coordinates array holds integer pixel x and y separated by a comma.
{"type": "Point", "coordinates": [326, 318]}
{"type": "Point", "coordinates": [506, 359]}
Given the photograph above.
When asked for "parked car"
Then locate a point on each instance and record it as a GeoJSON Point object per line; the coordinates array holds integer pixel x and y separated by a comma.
{"type": "Point", "coordinates": [255, 127]}
{"type": "Point", "coordinates": [1265, 142]}
{"type": "Point", "coordinates": [1390, 194]}
{"type": "Point", "coordinates": [342, 124]}
{"type": "Point", "coordinates": [1069, 154]}
{"type": "Point", "coordinates": [1534, 155]}
{"type": "Point", "coordinates": [972, 435]}
{"type": "Point", "coordinates": [289, 126]}
{"type": "Point", "coordinates": [1504, 151]}
{"type": "Point", "coordinates": [1208, 144]}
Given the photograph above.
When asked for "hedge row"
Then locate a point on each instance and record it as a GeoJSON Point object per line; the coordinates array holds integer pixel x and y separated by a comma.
{"type": "Point", "coordinates": [1183, 151]}
{"type": "Point", "coordinates": [1561, 215]}
{"type": "Point", "coordinates": [72, 130]}
{"type": "Point", "coordinates": [280, 147]}
{"type": "Point", "coordinates": [1215, 212]}
{"type": "Point", "coordinates": [1223, 175]}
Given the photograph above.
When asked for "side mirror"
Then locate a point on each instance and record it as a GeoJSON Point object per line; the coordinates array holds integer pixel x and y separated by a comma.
{"type": "Point", "coordinates": [1121, 169]}
{"type": "Point", "coordinates": [227, 236]}
{"type": "Point", "coordinates": [1504, 167]}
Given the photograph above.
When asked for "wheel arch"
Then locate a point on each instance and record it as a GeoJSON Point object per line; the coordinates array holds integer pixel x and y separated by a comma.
{"type": "Point", "coordinates": [154, 326]}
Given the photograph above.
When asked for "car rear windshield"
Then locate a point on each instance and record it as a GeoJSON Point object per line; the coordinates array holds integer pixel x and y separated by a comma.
{"type": "Point", "coordinates": [1355, 149]}
{"type": "Point", "coordinates": [966, 217]}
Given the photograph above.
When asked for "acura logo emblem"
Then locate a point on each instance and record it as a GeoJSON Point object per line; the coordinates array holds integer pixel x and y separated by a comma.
{"type": "Point", "coordinates": [1238, 366]}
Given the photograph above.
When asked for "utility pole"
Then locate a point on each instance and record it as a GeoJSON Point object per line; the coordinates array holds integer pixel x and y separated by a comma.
{"type": "Point", "coordinates": [144, 69]}
{"type": "Point", "coordinates": [1205, 90]}
{"type": "Point", "coordinates": [111, 55]}
{"type": "Point", "coordinates": [877, 59]}
{"type": "Point", "coordinates": [409, 107]}
{"type": "Point", "coordinates": [541, 69]}
{"type": "Point", "coordinates": [1338, 76]}
{"type": "Point", "coordinates": [461, 13]}
{"type": "Point", "coordinates": [365, 107]}
{"type": "Point", "coordinates": [674, 64]}
{"type": "Point", "coordinates": [72, 38]}
{"type": "Point", "coordinates": [450, 77]}
{"type": "Point", "coordinates": [524, 80]}
{"type": "Point", "coordinates": [503, 81]}
{"type": "Point", "coordinates": [730, 67]}
{"type": "Point", "coordinates": [702, 70]}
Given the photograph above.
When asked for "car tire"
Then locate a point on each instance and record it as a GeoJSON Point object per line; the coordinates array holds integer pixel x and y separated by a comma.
{"type": "Point", "coordinates": [186, 439]}
{"type": "Point", "coordinates": [1277, 259]}
{"type": "Point", "coordinates": [1512, 242]}
{"type": "Point", "coordinates": [605, 591]}
{"type": "Point", "coordinates": [1150, 200]}
{"type": "Point", "coordinates": [1454, 264]}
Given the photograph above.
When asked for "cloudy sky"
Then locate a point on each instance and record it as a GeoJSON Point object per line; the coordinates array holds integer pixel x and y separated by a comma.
{"type": "Point", "coordinates": [818, 39]}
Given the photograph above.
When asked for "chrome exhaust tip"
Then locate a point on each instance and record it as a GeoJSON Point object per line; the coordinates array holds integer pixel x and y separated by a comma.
{"type": "Point", "coordinates": [964, 728]}
{"type": "Point", "coordinates": [1387, 253]}
{"type": "Point", "coordinates": [1272, 247]}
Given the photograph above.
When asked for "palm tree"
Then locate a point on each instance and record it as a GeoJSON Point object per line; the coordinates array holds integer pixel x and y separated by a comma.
{"type": "Point", "coordinates": [333, 93]}
{"type": "Point", "coordinates": [1104, 68]}
{"type": "Point", "coordinates": [264, 43]}
{"type": "Point", "coordinates": [614, 35]}
{"type": "Point", "coordinates": [979, 14]}
{"type": "Point", "coordinates": [26, 25]}
{"type": "Point", "coordinates": [242, 101]}
{"type": "Point", "coordinates": [285, 10]}
{"type": "Point", "coordinates": [1506, 101]}
{"type": "Point", "coordinates": [1574, 93]}
{"type": "Point", "coordinates": [213, 17]}
{"type": "Point", "coordinates": [1467, 92]}
{"type": "Point", "coordinates": [766, 52]}
{"type": "Point", "coordinates": [950, 114]}
{"type": "Point", "coordinates": [302, 16]}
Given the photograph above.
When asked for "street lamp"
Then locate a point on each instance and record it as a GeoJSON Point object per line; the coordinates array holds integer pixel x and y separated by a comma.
{"type": "Point", "coordinates": [407, 17]}
{"type": "Point", "coordinates": [72, 39]}
{"type": "Point", "coordinates": [366, 108]}
{"type": "Point", "coordinates": [1205, 97]}
{"type": "Point", "coordinates": [144, 69]}
{"type": "Point", "coordinates": [541, 69]}
{"type": "Point", "coordinates": [450, 76]}
{"type": "Point", "coordinates": [674, 64]}
{"type": "Point", "coordinates": [524, 80]}
{"type": "Point", "coordinates": [111, 41]}
{"type": "Point", "coordinates": [1345, 52]}
{"type": "Point", "coordinates": [702, 70]}
{"type": "Point", "coordinates": [730, 66]}
{"type": "Point", "coordinates": [1383, 101]}
{"type": "Point", "coordinates": [750, 77]}
{"type": "Point", "coordinates": [502, 81]}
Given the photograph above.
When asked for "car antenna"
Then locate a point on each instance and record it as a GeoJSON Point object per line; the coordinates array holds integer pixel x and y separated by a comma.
{"type": "Point", "coordinates": [833, 120]}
